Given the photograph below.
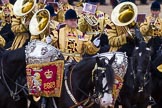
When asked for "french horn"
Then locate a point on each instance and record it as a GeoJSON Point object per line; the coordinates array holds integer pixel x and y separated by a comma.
{"type": "Point", "coordinates": [39, 22]}
{"type": "Point", "coordinates": [23, 7]}
{"type": "Point", "coordinates": [124, 14]}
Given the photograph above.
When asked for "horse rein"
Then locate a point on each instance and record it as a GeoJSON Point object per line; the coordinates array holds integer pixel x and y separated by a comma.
{"type": "Point", "coordinates": [14, 94]}
{"type": "Point", "coordinates": [92, 99]}
{"type": "Point", "coordinates": [77, 104]}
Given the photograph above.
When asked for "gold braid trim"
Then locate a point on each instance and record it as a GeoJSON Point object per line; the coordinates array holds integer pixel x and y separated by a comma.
{"type": "Point", "coordinates": [39, 66]}
{"type": "Point", "coordinates": [19, 41]}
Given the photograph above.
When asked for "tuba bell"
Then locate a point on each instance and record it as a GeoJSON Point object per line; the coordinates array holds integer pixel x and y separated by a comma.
{"type": "Point", "coordinates": [124, 14]}
{"type": "Point", "coordinates": [23, 7]}
{"type": "Point", "coordinates": [39, 22]}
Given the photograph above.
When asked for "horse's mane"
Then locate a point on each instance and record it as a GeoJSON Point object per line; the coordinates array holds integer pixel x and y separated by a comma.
{"type": "Point", "coordinates": [85, 61]}
{"type": "Point", "coordinates": [14, 56]}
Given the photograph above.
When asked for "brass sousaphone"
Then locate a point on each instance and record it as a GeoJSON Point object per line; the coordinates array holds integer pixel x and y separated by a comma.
{"type": "Point", "coordinates": [39, 22]}
{"type": "Point", "coordinates": [124, 14]}
{"type": "Point", "coordinates": [23, 7]}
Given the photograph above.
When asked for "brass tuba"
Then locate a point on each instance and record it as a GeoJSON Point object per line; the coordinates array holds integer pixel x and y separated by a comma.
{"type": "Point", "coordinates": [124, 14]}
{"type": "Point", "coordinates": [23, 7]}
{"type": "Point", "coordinates": [39, 22]}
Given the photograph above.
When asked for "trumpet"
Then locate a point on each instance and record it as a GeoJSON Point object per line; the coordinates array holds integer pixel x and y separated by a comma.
{"type": "Point", "coordinates": [153, 22]}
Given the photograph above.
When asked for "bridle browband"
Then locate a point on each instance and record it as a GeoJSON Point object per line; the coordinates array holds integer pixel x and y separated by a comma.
{"type": "Point", "coordinates": [13, 93]}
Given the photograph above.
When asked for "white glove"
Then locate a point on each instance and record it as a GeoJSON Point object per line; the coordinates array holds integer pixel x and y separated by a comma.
{"type": "Point", "coordinates": [96, 42]}
{"type": "Point", "coordinates": [48, 39]}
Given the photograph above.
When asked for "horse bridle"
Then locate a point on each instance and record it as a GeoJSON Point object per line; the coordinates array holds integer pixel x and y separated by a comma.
{"type": "Point", "coordinates": [99, 93]}
{"type": "Point", "coordinates": [94, 98]}
{"type": "Point", "coordinates": [13, 93]}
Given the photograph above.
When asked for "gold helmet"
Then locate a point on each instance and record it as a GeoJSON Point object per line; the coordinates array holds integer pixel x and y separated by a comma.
{"type": "Point", "coordinates": [23, 7]}
{"type": "Point", "coordinates": [39, 22]}
{"type": "Point", "coordinates": [124, 14]}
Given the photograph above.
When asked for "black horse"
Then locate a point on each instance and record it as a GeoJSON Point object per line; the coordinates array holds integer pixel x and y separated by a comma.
{"type": "Point", "coordinates": [8, 35]}
{"type": "Point", "coordinates": [137, 84]}
{"type": "Point", "coordinates": [86, 82]}
{"type": "Point", "coordinates": [11, 67]}
{"type": "Point", "coordinates": [90, 79]}
{"type": "Point", "coordinates": [156, 45]}
{"type": "Point", "coordinates": [86, 85]}
{"type": "Point", "coordinates": [157, 81]}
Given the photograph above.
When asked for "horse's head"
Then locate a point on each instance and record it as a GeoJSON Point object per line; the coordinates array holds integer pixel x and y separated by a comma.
{"type": "Point", "coordinates": [103, 76]}
{"type": "Point", "coordinates": [155, 43]}
{"type": "Point", "coordinates": [141, 64]}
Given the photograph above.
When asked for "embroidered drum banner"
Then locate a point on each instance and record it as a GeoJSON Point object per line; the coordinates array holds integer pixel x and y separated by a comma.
{"type": "Point", "coordinates": [45, 79]}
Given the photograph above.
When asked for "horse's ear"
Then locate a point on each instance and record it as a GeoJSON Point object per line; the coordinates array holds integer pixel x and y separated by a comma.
{"type": "Point", "coordinates": [112, 59]}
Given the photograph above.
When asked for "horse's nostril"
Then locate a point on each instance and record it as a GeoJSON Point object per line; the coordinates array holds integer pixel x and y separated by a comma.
{"type": "Point", "coordinates": [104, 101]}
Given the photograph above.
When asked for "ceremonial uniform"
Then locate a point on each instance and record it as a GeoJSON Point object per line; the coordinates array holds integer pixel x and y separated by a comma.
{"type": "Point", "coordinates": [116, 36]}
{"type": "Point", "coordinates": [103, 20]}
{"type": "Point", "coordinates": [20, 27]}
{"type": "Point", "coordinates": [94, 23]}
{"type": "Point", "coordinates": [152, 26]}
{"type": "Point", "coordinates": [61, 12]}
{"type": "Point", "coordinates": [21, 30]}
{"type": "Point", "coordinates": [148, 32]}
{"type": "Point", "coordinates": [6, 17]}
{"type": "Point", "coordinates": [71, 41]}
{"type": "Point", "coordinates": [73, 44]}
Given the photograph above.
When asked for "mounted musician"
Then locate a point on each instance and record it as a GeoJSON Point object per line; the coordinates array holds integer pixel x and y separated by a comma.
{"type": "Point", "coordinates": [6, 15]}
{"type": "Point", "coordinates": [153, 24]}
{"type": "Point", "coordinates": [23, 11]}
{"type": "Point", "coordinates": [94, 22]}
{"type": "Point", "coordinates": [120, 31]}
{"type": "Point", "coordinates": [71, 41]}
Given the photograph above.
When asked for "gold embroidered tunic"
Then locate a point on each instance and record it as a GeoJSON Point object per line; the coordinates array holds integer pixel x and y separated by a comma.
{"type": "Point", "coordinates": [146, 30]}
